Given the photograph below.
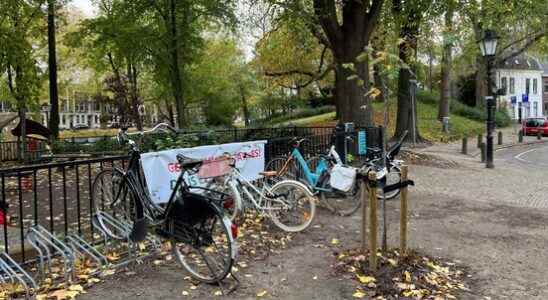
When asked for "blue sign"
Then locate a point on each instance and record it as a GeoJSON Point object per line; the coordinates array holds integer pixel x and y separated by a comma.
{"type": "Point", "coordinates": [513, 99]}
{"type": "Point", "coordinates": [524, 98]}
{"type": "Point", "coordinates": [362, 143]}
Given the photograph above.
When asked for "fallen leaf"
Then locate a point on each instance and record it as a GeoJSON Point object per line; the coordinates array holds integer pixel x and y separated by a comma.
{"type": "Point", "coordinates": [185, 293]}
{"type": "Point", "coordinates": [358, 294]}
{"type": "Point", "coordinates": [366, 279]}
{"type": "Point", "coordinates": [262, 294]}
{"type": "Point", "coordinates": [335, 242]}
{"type": "Point", "coordinates": [218, 293]}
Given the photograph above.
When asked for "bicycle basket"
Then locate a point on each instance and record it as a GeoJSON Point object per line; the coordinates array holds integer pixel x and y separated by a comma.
{"type": "Point", "coordinates": [191, 209]}
{"type": "Point", "coordinates": [215, 168]}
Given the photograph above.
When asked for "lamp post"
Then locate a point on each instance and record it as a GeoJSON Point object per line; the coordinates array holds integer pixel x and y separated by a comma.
{"type": "Point", "coordinates": [488, 47]}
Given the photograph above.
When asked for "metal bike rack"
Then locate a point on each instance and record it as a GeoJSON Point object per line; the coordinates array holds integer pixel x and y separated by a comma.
{"type": "Point", "coordinates": [48, 246]}
{"type": "Point", "coordinates": [123, 229]}
{"type": "Point", "coordinates": [11, 272]}
{"type": "Point", "coordinates": [82, 248]}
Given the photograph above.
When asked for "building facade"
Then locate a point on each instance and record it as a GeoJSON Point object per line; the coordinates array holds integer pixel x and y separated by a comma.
{"type": "Point", "coordinates": [545, 86]}
{"type": "Point", "coordinates": [521, 82]}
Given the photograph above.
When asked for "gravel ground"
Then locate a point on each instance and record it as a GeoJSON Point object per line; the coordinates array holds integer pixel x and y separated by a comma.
{"type": "Point", "coordinates": [478, 218]}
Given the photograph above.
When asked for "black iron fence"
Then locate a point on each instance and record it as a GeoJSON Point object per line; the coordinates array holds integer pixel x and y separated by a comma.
{"type": "Point", "coordinates": [58, 196]}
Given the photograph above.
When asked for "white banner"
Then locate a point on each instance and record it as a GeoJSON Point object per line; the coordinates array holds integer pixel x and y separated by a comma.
{"type": "Point", "coordinates": [162, 169]}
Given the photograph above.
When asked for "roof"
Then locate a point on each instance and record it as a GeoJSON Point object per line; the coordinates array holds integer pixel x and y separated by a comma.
{"type": "Point", "coordinates": [522, 62]}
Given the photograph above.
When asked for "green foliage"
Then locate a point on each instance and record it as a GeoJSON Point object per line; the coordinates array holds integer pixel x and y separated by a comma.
{"type": "Point", "coordinates": [302, 113]}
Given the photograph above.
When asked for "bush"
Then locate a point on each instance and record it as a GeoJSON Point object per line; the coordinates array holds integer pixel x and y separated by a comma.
{"type": "Point", "coordinates": [300, 113]}
{"type": "Point", "coordinates": [427, 97]}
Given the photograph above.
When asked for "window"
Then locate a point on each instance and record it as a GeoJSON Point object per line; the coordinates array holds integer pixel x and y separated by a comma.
{"type": "Point", "coordinates": [512, 83]}
{"type": "Point", "coordinates": [546, 88]}
{"type": "Point", "coordinates": [535, 109]}
{"type": "Point", "coordinates": [534, 86]}
{"type": "Point", "coordinates": [527, 84]}
{"type": "Point", "coordinates": [503, 85]}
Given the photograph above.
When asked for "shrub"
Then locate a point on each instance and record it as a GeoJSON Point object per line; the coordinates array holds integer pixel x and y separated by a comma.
{"type": "Point", "coordinates": [427, 97]}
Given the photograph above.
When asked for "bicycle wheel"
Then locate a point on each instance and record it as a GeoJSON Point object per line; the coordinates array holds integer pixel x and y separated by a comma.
{"type": "Point", "coordinates": [208, 249]}
{"type": "Point", "coordinates": [113, 196]}
{"type": "Point", "coordinates": [393, 177]}
{"type": "Point", "coordinates": [232, 206]}
{"type": "Point", "coordinates": [291, 207]}
{"type": "Point", "coordinates": [342, 203]}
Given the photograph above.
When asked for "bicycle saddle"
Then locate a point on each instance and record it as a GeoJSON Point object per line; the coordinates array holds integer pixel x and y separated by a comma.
{"type": "Point", "coordinates": [188, 163]}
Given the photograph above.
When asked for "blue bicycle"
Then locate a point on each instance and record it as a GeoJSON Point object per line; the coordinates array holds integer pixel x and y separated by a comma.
{"type": "Point", "coordinates": [317, 177]}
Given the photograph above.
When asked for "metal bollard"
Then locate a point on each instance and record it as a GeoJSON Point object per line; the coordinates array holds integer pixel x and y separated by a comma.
{"type": "Point", "coordinates": [500, 138]}
{"type": "Point", "coordinates": [464, 145]}
{"type": "Point", "coordinates": [520, 136]}
{"type": "Point", "coordinates": [482, 148]}
{"type": "Point", "coordinates": [480, 139]}
{"type": "Point", "coordinates": [539, 135]}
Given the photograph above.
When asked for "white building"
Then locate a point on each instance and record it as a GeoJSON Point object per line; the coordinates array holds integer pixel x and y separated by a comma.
{"type": "Point", "coordinates": [521, 81]}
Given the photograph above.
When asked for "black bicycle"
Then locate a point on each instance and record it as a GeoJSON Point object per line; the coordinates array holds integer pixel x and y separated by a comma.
{"type": "Point", "coordinates": [202, 237]}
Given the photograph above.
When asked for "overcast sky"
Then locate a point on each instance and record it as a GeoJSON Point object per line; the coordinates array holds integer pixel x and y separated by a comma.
{"type": "Point", "coordinates": [85, 6]}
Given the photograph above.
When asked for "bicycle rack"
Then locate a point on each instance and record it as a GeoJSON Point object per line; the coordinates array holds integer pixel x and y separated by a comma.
{"type": "Point", "coordinates": [46, 243]}
{"type": "Point", "coordinates": [82, 248]}
{"type": "Point", "coordinates": [123, 229]}
{"type": "Point", "coordinates": [10, 271]}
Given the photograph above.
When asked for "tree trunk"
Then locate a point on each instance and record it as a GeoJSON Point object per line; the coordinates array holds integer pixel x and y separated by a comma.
{"type": "Point", "coordinates": [481, 70]}
{"type": "Point", "coordinates": [244, 106]}
{"type": "Point", "coordinates": [445, 87]}
{"type": "Point", "coordinates": [407, 106]}
{"type": "Point", "coordinates": [133, 94]}
{"type": "Point", "coordinates": [430, 67]}
{"type": "Point", "coordinates": [176, 81]}
{"type": "Point", "coordinates": [52, 65]}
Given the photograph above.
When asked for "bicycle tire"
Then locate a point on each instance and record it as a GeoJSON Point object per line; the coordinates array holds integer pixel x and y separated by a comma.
{"type": "Point", "coordinates": [197, 263]}
{"type": "Point", "coordinates": [302, 198]}
{"type": "Point", "coordinates": [342, 203]}
{"type": "Point", "coordinates": [128, 211]}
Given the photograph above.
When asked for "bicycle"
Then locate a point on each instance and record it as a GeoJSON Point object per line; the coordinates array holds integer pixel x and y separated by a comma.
{"type": "Point", "coordinates": [202, 237]}
{"type": "Point", "coordinates": [317, 177]}
{"type": "Point", "coordinates": [280, 202]}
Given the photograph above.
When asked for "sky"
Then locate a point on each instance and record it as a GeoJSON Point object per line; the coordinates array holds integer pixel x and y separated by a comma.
{"type": "Point", "coordinates": [86, 6]}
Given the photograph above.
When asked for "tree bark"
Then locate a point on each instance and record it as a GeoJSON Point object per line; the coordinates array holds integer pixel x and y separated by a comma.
{"type": "Point", "coordinates": [445, 86]}
{"type": "Point", "coordinates": [244, 106]}
{"type": "Point", "coordinates": [176, 81]}
{"type": "Point", "coordinates": [407, 106]}
{"type": "Point", "coordinates": [134, 95]}
{"type": "Point", "coordinates": [52, 65]}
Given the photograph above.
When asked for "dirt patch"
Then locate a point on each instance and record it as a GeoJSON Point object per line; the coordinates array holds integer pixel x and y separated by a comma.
{"type": "Point", "coordinates": [415, 158]}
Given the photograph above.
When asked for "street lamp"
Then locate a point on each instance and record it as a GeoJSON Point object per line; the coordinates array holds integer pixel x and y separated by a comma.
{"type": "Point", "coordinates": [488, 47]}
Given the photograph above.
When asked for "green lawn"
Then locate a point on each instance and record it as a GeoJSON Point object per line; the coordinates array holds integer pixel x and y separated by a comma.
{"type": "Point", "coordinates": [429, 126]}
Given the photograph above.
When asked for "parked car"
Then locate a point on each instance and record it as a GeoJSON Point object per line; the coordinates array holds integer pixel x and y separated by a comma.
{"type": "Point", "coordinates": [81, 126]}
{"type": "Point", "coordinates": [531, 126]}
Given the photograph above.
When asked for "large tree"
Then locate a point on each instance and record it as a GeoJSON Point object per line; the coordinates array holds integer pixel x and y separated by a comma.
{"type": "Point", "coordinates": [345, 28]}
{"type": "Point", "coordinates": [52, 67]}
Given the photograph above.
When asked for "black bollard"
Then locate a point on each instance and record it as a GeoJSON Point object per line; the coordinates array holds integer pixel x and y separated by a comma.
{"type": "Point", "coordinates": [500, 138]}
{"type": "Point", "coordinates": [539, 135]}
{"type": "Point", "coordinates": [480, 139]}
{"type": "Point", "coordinates": [482, 148]}
{"type": "Point", "coordinates": [464, 145]}
{"type": "Point", "coordinates": [520, 136]}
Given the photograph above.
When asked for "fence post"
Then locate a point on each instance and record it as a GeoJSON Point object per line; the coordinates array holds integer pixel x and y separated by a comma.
{"type": "Point", "coordinates": [403, 212]}
{"type": "Point", "coordinates": [480, 139]}
{"type": "Point", "coordinates": [500, 138]}
{"type": "Point", "coordinates": [373, 224]}
{"type": "Point", "coordinates": [364, 194]}
{"type": "Point", "coordinates": [520, 136]}
{"type": "Point", "coordinates": [464, 145]}
{"type": "Point", "coordinates": [482, 148]}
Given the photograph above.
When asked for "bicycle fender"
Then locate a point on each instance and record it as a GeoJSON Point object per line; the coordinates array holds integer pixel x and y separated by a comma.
{"type": "Point", "coordinates": [307, 189]}
{"type": "Point", "coordinates": [234, 248]}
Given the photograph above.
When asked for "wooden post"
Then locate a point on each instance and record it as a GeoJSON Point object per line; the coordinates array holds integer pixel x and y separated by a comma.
{"type": "Point", "coordinates": [403, 212]}
{"type": "Point", "coordinates": [500, 138]}
{"type": "Point", "coordinates": [480, 139]}
{"type": "Point", "coordinates": [373, 224]}
{"type": "Point", "coordinates": [464, 145]}
{"type": "Point", "coordinates": [364, 197]}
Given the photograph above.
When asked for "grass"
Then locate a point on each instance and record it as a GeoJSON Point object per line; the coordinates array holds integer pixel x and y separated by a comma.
{"type": "Point", "coordinates": [429, 127]}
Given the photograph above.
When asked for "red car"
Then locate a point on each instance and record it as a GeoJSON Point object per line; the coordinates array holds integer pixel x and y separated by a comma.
{"type": "Point", "coordinates": [531, 126]}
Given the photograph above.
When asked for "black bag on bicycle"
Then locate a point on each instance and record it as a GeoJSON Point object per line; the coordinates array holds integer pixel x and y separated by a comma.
{"type": "Point", "coordinates": [191, 209]}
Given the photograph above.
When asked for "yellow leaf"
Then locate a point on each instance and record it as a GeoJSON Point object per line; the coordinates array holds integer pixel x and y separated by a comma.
{"type": "Point", "coordinates": [335, 242]}
{"type": "Point", "coordinates": [64, 294]}
{"type": "Point", "coordinates": [358, 294]}
{"type": "Point", "coordinates": [407, 276]}
{"type": "Point", "coordinates": [262, 294]}
{"type": "Point", "coordinates": [218, 293]}
{"type": "Point", "coordinates": [366, 279]}
{"type": "Point", "coordinates": [185, 293]}
{"type": "Point", "coordinates": [76, 288]}
{"type": "Point", "coordinates": [393, 262]}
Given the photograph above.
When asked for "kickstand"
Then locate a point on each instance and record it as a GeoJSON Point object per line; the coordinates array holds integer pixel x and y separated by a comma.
{"type": "Point", "coordinates": [232, 288]}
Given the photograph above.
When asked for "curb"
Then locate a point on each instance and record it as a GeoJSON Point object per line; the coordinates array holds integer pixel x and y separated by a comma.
{"type": "Point", "coordinates": [513, 145]}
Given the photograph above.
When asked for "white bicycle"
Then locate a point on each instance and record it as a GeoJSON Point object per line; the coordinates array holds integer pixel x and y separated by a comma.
{"type": "Point", "coordinates": [288, 203]}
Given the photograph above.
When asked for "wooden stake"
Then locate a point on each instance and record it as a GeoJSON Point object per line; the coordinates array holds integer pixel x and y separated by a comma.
{"type": "Point", "coordinates": [363, 191]}
{"type": "Point", "coordinates": [373, 224]}
{"type": "Point", "coordinates": [403, 212]}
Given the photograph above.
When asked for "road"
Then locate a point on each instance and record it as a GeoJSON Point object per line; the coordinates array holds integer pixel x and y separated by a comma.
{"type": "Point", "coordinates": [530, 156]}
